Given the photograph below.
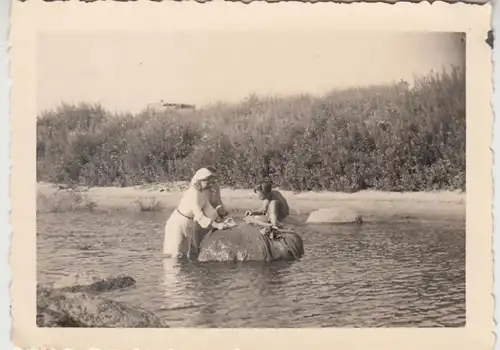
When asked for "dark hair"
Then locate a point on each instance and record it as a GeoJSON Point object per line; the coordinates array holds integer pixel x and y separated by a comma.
{"type": "Point", "coordinates": [211, 168]}
{"type": "Point", "coordinates": [265, 187]}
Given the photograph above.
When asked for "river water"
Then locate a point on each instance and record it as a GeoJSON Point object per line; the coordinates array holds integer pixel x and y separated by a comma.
{"type": "Point", "coordinates": [374, 275]}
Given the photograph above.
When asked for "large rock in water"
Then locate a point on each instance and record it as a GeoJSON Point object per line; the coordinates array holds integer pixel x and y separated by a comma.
{"type": "Point", "coordinates": [246, 243]}
{"type": "Point", "coordinates": [335, 215]}
{"type": "Point", "coordinates": [65, 309]}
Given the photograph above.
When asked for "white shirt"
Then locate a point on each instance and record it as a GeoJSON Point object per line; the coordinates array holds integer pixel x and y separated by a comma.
{"type": "Point", "coordinates": [195, 204]}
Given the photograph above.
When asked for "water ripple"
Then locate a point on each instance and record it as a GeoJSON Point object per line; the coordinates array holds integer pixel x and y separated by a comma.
{"type": "Point", "coordinates": [379, 275]}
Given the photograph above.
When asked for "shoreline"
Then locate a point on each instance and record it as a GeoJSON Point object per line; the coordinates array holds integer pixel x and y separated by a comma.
{"type": "Point", "coordinates": [372, 205]}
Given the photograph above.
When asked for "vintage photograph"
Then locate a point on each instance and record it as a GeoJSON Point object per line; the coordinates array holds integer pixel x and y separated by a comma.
{"type": "Point", "coordinates": [185, 181]}
{"type": "Point", "coordinates": [224, 176]}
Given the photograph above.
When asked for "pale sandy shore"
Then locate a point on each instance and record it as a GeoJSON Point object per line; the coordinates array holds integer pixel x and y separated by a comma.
{"type": "Point", "coordinates": [374, 205]}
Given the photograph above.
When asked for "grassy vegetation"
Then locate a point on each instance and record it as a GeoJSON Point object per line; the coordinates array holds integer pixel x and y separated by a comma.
{"type": "Point", "coordinates": [392, 138]}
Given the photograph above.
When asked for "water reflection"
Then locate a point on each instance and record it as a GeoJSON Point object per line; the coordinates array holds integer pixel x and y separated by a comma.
{"type": "Point", "coordinates": [375, 275]}
{"type": "Point", "coordinates": [217, 293]}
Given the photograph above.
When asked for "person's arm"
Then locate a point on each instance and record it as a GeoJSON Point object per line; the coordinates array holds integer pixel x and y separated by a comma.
{"type": "Point", "coordinates": [199, 216]}
{"type": "Point", "coordinates": [273, 213]}
{"type": "Point", "coordinates": [262, 210]}
{"type": "Point", "coordinates": [216, 201]}
{"type": "Point", "coordinates": [219, 205]}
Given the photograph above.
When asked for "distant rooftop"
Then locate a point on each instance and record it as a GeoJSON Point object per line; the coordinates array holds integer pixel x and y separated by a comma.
{"type": "Point", "coordinates": [162, 106]}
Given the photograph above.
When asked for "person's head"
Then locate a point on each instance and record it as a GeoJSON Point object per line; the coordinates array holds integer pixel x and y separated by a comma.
{"type": "Point", "coordinates": [263, 190]}
{"type": "Point", "coordinates": [203, 179]}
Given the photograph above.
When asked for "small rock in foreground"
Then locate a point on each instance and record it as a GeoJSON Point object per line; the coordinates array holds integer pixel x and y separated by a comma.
{"type": "Point", "coordinates": [65, 309]}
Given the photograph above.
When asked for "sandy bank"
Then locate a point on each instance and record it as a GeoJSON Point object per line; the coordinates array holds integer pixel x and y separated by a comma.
{"type": "Point", "coordinates": [371, 204]}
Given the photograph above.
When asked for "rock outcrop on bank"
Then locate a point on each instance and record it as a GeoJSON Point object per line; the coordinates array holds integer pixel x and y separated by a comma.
{"type": "Point", "coordinates": [334, 215]}
{"type": "Point", "coordinates": [82, 306]}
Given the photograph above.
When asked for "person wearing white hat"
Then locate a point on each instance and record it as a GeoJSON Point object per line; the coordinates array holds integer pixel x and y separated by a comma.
{"type": "Point", "coordinates": [181, 234]}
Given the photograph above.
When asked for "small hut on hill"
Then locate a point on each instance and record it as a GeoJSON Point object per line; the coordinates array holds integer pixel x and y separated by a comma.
{"type": "Point", "coordinates": [162, 107]}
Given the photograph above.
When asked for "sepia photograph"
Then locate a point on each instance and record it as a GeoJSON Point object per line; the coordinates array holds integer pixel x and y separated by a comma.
{"type": "Point", "coordinates": [321, 184]}
{"type": "Point", "coordinates": [231, 176]}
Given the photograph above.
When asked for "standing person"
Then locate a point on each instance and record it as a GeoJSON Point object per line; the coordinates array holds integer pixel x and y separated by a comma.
{"type": "Point", "coordinates": [274, 206]}
{"type": "Point", "coordinates": [215, 199]}
{"type": "Point", "coordinates": [181, 233]}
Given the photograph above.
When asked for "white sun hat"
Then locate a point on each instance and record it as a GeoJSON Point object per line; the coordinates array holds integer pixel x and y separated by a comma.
{"type": "Point", "coordinates": [201, 174]}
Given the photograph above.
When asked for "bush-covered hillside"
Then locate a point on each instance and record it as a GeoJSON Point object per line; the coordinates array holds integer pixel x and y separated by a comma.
{"type": "Point", "coordinates": [381, 137]}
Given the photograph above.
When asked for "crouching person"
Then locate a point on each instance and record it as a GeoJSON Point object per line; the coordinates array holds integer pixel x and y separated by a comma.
{"type": "Point", "coordinates": [274, 207]}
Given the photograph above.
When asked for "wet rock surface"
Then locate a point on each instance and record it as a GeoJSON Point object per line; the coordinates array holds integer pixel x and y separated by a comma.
{"type": "Point", "coordinates": [78, 282]}
{"type": "Point", "coordinates": [247, 243]}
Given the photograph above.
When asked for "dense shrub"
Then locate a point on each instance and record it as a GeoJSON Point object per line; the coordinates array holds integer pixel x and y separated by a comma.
{"type": "Point", "coordinates": [396, 138]}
